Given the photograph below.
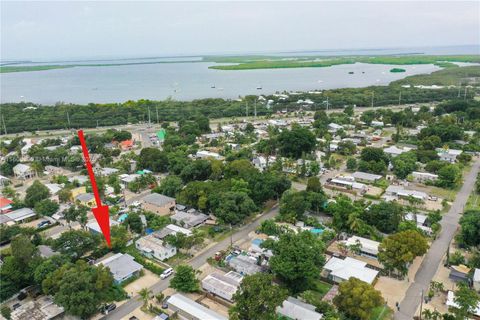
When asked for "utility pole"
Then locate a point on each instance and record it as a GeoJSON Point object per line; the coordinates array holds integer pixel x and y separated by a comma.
{"type": "Point", "coordinates": [373, 95]}
{"type": "Point", "coordinates": [97, 124]}
{"type": "Point", "coordinates": [327, 103]}
{"type": "Point", "coordinates": [149, 116]}
{"type": "Point", "coordinates": [68, 119]}
{"type": "Point", "coordinates": [231, 236]}
{"type": "Point", "coordinates": [246, 109]}
{"type": "Point", "coordinates": [465, 94]}
{"type": "Point", "coordinates": [156, 110]}
{"type": "Point", "coordinates": [459, 88]}
{"type": "Point", "coordinates": [399, 98]}
{"type": "Point", "coordinates": [4, 126]}
{"type": "Point", "coordinates": [255, 109]}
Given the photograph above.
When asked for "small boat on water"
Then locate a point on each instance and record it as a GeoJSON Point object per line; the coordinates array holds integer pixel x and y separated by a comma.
{"type": "Point", "coordinates": [259, 88]}
{"type": "Point", "coordinates": [213, 86]}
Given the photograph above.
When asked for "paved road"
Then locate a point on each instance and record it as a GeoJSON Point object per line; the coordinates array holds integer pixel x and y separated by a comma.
{"type": "Point", "coordinates": [431, 262]}
{"type": "Point", "coordinates": [195, 262]}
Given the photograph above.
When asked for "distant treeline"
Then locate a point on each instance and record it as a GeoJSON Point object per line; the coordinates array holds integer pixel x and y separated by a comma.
{"type": "Point", "coordinates": [20, 117]}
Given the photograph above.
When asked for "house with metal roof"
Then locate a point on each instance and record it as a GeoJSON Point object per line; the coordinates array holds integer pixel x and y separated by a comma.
{"type": "Point", "coordinates": [339, 270]}
{"type": "Point", "coordinates": [192, 310]}
{"type": "Point", "coordinates": [153, 246]}
{"type": "Point", "coordinates": [244, 264]}
{"type": "Point", "coordinates": [366, 177]}
{"type": "Point", "coordinates": [293, 308]}
{"type": "Point", "coordinates": [20, 215]}
{"type": "Point", "coordinates": [222, 285]}
{"type": "Point", "coordinates": [368, 248]}
{"type": "Point", "coordinates": [122, 266]}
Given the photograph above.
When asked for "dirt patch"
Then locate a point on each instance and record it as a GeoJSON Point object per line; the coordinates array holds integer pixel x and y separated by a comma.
{"type": "Point", "coordinates": [142, 282]}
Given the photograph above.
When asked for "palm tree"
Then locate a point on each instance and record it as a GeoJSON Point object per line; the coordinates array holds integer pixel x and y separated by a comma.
{"type": "Point", "coordinates": [145, 295]}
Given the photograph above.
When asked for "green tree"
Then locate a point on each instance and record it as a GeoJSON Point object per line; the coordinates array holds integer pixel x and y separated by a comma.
{"type": "Point", "coordinates": [233, 207]}
{"type": "Point", "coordinates": [145, 295]}
{"type": "Point", "coordinates": [357, 299]}
{"type": "Point", "coordinates": [48, 266]}
{"type": "Point", "coordinates": [153, 159]}
{"type": "Point", "coordinates": [36, 193]}
{"type": "Point", "coordinates": [293, 205]}
{"type": "Point", "coordinates": [467, 301]}
{"type": "Point", "coordinates": [134, 222]}
{"type": "Point", "coordinates": [295, 142]}
{"type": "Point", "coordinates": [351, 164]}
{"type": "Point", "coordinates": [449, 176]}
{"type": "Point", "coordinates": [297, 259]}
{"type": "Point", "coordinates": [398, 250]}
{"type": "Point", "coordinates": [75, 243]}
{"type": "Point", "coordinates": [169, 186]}
{"type": "Point", "coordinates": [385, 216]}
{"type": "Point", "coordinates": [6, 312]}
{"type": "Point", "coordinates": [46, 207]}
{"type": "Point", "coordinates": [80, 288]}
{"type": "Point", "coordinates": [119, 238]}
{"type": "Point", "coordinates": [314, 185]}
{"type": "Point", "coordinates": [185, 279]}
{"type": "Point", "coordinates": [470, 228]}
{"type": "Point", "coordinates": [257, 298]}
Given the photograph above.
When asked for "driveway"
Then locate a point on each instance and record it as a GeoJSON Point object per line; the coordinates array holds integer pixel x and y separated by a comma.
{"type": "Point", "coordinates": [196, 262]}
{"type": "Point", "coordinates": [411, 302]}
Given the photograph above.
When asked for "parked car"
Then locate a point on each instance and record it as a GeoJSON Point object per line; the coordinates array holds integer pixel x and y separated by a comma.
{"type": "Point", "coordinates": [165, 302]}
{"type": "Point", "coordinates": [167, 273]}
{"type": "Point", "coordinates": [109, 308]}
{"type": "Point", "coordinates": [16, 306]}
{"type": "Point", "coordinates": [43, 224]}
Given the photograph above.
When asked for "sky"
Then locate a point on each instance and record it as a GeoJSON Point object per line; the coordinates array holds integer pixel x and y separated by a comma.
{"type": "Point", "coordinates": [42, 30]}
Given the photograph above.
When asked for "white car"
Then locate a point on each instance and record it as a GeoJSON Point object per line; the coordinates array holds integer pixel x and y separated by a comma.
{"type": "Point", "coordinates": [167, 273]}
{"type": "Point", "coordinates": [136, 203]}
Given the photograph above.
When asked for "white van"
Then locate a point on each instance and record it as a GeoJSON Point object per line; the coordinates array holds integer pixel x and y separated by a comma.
{"type": "Point", "coordinates": [167, 273]}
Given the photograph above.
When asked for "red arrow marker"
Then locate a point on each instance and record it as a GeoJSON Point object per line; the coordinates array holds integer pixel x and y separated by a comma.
{"type": "Point", "coordinates": [100, 212]}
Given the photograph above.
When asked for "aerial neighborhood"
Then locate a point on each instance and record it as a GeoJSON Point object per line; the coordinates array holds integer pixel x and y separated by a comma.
{"type": "Point", "coordinates": [302, 214]}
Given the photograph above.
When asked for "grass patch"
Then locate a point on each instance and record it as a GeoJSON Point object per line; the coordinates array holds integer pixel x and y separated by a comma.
{"type": "Point", "coordinates": [321, 287]}
{"type": "Point", "coordinates": [381, 313]}
{"type": "Point", "coordinates": [473, 201]}
{"type": "Point", "coordinates": [269, 62]}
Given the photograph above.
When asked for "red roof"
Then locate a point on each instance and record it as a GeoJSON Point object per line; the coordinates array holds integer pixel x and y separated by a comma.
{"type": "Point", "coordinates": [126, 143]}
{"type": "Point", "coordinates": [5, 202]}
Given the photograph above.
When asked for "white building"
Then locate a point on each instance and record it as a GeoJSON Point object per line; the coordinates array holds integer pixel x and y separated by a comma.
{"type": "Point", "coordinates": [369, 248]}
{"type": "Point", "coordinates": [222, 285]}
{"type": "Point", "coordinates": [424, 176]}
{"type": "Point", "coordinates": [189, 309]}
{"type": "Point", "coordinates": [448, 155]}
{"type": "Point", "coordinates": [204, 154]}
{"type": "Point", "coordinates": [339, 270]}
{"type": "Point", "coordinates": [23, 171]}
{"type": "Point", "coordinates": [451, 303]}
{"type": "Point", "coordinates": [366, 177]}
{"type": "Point", "coordinates": [400, 192]}
{"type": "Point", "coordinates": [333, 127]}
{"type": "Point", "coordinates": [293, 308]}
{"type": "Point", "coordinates": [395, 151]}
{"type": "Point", "coordinates": [153, 247]}
{"type": "Point", "coordinates": [476, 279]}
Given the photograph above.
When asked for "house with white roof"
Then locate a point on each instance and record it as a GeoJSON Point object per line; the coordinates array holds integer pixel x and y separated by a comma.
{"type": "Point", "coordinates": [222, 285]}
{"type": "Point", "coordinates": [339, 270]}
{"type": "Point", "coordinates": [204, 154]}
{"type": "Point", "coordinates": [4, 181]}
{"type": "Point", "coordinates": [333, 127]}
{"type": "Point", "coordinates": [20, 215]}
{"type": "Point", "coordinates": [451, 303]}
{"type": "Point", "coordinates": [153, 246]}
{"type": "Point", "coordinates": [423, 176]}
{"type": "Point", "coordinates": [448, 155]}
{"type": "Point", "coordinates": [92, 225]}
{"type": "Point", "coordinates": [23, 171]}
{"type": "Point", "coordinates": [401, 192]}
{"type": "Point", "coordinates": [368, 248]}
{"type": "Point", "coordinates": [395, 151]}
{"type": "Point", "coordinates": [293, 308]}
{"type": "Point", "coordinates": [366, 177]}
{"type": "Point", "coordinates": [476, 279]}
{"type": "Point", "coordinates": [189, 309]}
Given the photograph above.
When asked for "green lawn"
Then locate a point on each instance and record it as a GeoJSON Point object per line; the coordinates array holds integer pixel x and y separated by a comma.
{"type": "Point", "coordinates": [473, 201]}
{"type": "Point", "coordinates": [382, 313]}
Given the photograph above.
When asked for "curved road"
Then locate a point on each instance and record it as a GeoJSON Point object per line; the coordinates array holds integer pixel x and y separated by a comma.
{"type": "Point", "coordinates": [433, 259]}
{"type": "Point", "coordinates": [196, 262]}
